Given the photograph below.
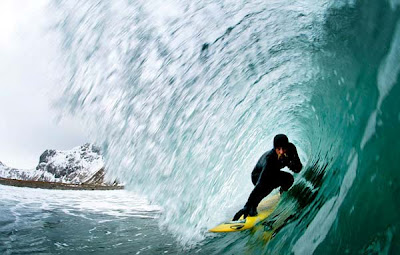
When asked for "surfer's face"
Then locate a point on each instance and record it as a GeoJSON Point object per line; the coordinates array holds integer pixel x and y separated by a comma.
{"type": "Point", "coordinates": [280, 151]}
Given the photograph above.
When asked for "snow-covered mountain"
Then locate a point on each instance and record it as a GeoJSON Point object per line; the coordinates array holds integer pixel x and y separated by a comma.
{"type": "Point", "coordinates": [80, 165]}
{"type": "Point", "coordinates": [19, 174]}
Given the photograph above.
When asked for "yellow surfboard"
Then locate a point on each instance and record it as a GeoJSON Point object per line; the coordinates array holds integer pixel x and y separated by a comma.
{"type": "Point", "coordinates": [265, 208]}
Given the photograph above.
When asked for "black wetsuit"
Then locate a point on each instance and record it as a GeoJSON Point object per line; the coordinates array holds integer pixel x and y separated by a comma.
{"type": "Point", "coordinates": [267, 176]}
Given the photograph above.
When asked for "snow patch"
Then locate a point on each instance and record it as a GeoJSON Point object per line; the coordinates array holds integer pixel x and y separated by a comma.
{"type": "Point", "coordinates": [82, 164]}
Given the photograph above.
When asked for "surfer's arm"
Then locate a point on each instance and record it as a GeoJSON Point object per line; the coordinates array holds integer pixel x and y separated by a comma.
{"type": "Point", "coordinates": [294, 160]}
{"type": "Point", "coordinates": [261, 187]}
{"type": "Point", "coordinates": [258, 168]}
{"type": "Point", "coordinates": [251, 205]}
{"type": "Point", "coordinates": [255, 197]}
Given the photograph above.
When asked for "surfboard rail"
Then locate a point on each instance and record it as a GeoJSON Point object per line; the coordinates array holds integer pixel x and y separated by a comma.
{"type": "Point", "coordinates": [265, 208]}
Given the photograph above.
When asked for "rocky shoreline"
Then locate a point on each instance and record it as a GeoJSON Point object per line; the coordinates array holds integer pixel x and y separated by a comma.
{"type": "Point", "coordinates": [56, 185]}
{"type": "Point", "coordinates": [81, 168]}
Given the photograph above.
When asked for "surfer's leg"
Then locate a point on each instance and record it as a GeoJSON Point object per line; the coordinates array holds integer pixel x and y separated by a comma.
{"type": "Point", "coordinates": [285, 180]}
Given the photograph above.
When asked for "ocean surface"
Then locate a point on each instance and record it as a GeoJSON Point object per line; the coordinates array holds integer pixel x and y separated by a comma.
{"type": "Point", "coordinates": [185, 96]}
{"type": "Point", "coordinates": [37, 221]}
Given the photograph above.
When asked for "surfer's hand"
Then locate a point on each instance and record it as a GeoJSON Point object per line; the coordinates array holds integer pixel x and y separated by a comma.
{"type": "Point", "coordinates": [291, 151]}
{"type": "Point", "coordinates": [244, 212]}
{"type": "Point", "coordinates": [294, 163]}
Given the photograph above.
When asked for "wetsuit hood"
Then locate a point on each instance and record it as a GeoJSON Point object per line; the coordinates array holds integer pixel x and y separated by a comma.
{"type": "Point", "coordinates": [281, 140]}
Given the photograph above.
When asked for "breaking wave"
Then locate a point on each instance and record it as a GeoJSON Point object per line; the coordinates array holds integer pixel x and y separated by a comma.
{"type": "Point", "coordinates": [184, 97]}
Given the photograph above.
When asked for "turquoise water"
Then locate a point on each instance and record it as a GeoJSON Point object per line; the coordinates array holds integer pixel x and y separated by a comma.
{"type": "Point", "coordinates": [184, 97]}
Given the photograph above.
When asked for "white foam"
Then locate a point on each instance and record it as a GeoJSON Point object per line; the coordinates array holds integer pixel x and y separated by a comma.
{"type": "Point", "coordinates": [369, 130]}
{"type": "Point", "coordinates": [119, 203]}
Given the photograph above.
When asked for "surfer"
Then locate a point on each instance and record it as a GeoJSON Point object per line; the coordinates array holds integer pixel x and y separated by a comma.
{"type": "Point", "coordinates": [267, 176]}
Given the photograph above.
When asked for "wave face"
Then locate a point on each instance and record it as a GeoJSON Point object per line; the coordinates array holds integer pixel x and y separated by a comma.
{"type": "Point", "coordinates": [185, 97]}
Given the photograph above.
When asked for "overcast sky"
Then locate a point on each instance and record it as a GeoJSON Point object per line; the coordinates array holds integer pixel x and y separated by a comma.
{"type": "Point", "coordinates": [27, 122]}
